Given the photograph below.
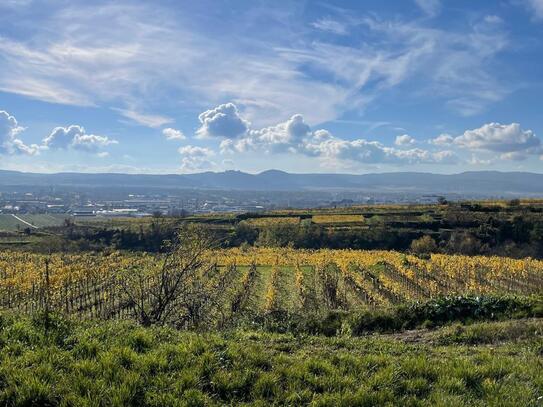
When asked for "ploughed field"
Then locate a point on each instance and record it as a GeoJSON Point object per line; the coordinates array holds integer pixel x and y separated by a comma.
{"type": "Point", "coordinates": [261, 281]}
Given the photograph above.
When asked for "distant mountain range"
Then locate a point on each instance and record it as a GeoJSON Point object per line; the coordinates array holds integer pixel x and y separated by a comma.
{"type": "Point", "coordinates": [478, 182]}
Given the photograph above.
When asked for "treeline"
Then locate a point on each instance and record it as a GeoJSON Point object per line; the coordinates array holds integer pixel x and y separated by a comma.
{"type": "Point", "coordinates": [518, 237]}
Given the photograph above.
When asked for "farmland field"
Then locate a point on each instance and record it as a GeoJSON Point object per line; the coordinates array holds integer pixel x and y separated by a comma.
{"type": "Point", "coordinates": [337, 218]}
{"type": "Point", "coordinates": [272, 313]}
{"type": "Point", "coordinates": [11, 223]}
{"type": "Point", "coordinates": [265, 280]}
{"type": "Point", "coordinates": [267, 221]}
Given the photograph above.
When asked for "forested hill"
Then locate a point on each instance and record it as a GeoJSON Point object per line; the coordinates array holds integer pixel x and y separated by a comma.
{"type": "Point", "coordinates": [480, 182]}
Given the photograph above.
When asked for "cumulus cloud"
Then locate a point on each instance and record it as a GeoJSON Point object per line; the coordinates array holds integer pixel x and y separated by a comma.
{"type": "Point", "coordinates": [478, 161]}
{"type": "Point", "coordinates": [295, 136]}
{"type": "Point", "coordinates": [281, 137]}
{"type": "Point", "coordinates": [508, 139]}
{"type": "Point", "coordinates": [225, 122]}
{"type": "Point", "coordinates": [372, 152]}
{"type": "Point", "coordinates": [75, 137]}
{"type": "Point", "coordinates": [222, 121]}
{"type": "Point", "coordinates": [442, 140]}
{"type": "Point", "coordinates": [194, 158]}
{"type": "Point", "coordinates": [195, 151]}
{"type": "Point", "coordinates": [173, 134]}
{"type": "Point", "coordinates": [10, 143]}
{"type": "Point", "coordinates": [228, 147]}
{"type": "Point", "coordinates": [404, 140]}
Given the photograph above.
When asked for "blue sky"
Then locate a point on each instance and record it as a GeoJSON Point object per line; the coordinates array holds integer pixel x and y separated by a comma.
{"type": "Point", "coordinates": [301, 86]}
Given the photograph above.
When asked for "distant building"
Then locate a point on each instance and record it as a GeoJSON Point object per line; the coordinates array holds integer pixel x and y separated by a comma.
{"type": "Point", "coordinates": [83, 212]}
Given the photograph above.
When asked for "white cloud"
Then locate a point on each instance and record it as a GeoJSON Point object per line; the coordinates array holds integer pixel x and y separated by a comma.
{"type": "Point", "coordinates": [283, 136]}
{"type": "Point", "coordinates": [286, 136]}
{"type": "Point", "coordinates": [9, 127]}
{"type": "Point", "coordinates": [478, 161]}
{"type": "Point", "coordinates": [148, 120]}
{"type": "Point", "coordinates": [537, 7]}
{"type": "Point", "coordinates": [173, 134]}
{"type": "Point", "coordinates": [329, 25]}
{"type": "Point", "coordinates": [14, 3]}
{"type": "Point", "coordinates": [227, 147]}
{"type": "Point", "coordinates": [442, 140]}
{"type": "Point", "coordinates": [9, 141]}
{"type": "Point", "coordinates": [296, 137]}
{"type": "Point", "coordinates": [75, 137]}
{"type": "Point", "coordinates": [362, 151]}
{"type": "Point", "coordinates": [493, 19]}
{"type": "Point", "coordinates": [228, 162]}
{"type": "Point", "coordinates": [514, 156]}
{"type": "Point", "coordinates": [125, 52]}
{"type": "Point", "coordinates": [196, 158]}
{"type": "Point", "coordinates": [508, 139]}
{"type": "Point", "coordinates": [430, 7]}
{"type": "Point", "coordinates": [222, 121]}
{"type": "Point", "coordinates": [195, 151]}
{"type": "Point", "coordinates": [404, 140]}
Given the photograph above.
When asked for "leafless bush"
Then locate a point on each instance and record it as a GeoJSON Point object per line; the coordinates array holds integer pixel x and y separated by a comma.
{"type": "Point", "coordinates": [184, 289]}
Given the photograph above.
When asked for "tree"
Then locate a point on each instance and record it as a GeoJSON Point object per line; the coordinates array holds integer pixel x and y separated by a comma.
{"type": "Point", "coordinates": [186, 284]}
{"type": "Point", "coordinates": [465, 243]}
{"type": "Point", "coordinates": [425, 244]}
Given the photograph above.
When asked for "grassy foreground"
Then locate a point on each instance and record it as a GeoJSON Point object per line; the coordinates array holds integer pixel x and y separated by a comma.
{"type": "Point", "coordinates": [122, 364]}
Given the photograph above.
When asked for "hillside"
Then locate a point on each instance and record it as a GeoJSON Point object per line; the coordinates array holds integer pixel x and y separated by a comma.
{"type": "Point", "coordinates": [477, 182]}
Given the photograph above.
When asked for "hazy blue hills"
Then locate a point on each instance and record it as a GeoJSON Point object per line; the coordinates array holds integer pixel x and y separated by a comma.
{"type": "Point", "coordinates": [478, 182]}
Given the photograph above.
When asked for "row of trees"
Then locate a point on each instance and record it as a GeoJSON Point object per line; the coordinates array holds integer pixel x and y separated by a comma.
{"type": "Point", "coordinates": [516, 237]}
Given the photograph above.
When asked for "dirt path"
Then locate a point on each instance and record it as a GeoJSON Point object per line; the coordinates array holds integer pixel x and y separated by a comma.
{"type": "Point", "coordinates": [25, 222]}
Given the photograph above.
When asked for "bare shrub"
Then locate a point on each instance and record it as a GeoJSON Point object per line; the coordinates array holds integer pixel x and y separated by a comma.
{"type": "Point", "coordinates": [185, 289]}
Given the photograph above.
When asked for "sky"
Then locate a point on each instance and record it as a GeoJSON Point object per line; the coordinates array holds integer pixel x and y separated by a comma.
{"type": "Point", "coordinates": [354, 86]}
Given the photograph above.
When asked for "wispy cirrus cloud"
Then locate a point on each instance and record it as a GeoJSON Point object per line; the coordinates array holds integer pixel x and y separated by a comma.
{"type": "Point", "coordinates": [536, 6]}
{"type": "Point", "coordinates": [140, 52]}
{"type": "Point", "coordinates": [330, 25]}
{"type": "Point", "coordinates": [430, 7]}
{"type": "Point", "coordinates": [145, 119]}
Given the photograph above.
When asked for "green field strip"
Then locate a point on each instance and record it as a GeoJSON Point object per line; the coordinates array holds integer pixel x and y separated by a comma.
{"type": "Point", "coordinates": [303, 299]}
{"type": "Point", "coordinates": [44, 220]}
{"type": "Point", "coordinates": [288, 295]}
{"type": "Point", "coordinates": [232, 291]}
{"type": "Point", "coordinates": [10, 224]}
{"type": "Point", "coordinates": [314, 290]}
{"type": "Point", "coordinates": [257, 301]}
{"type": "Point", "coordinates": [370, 286]}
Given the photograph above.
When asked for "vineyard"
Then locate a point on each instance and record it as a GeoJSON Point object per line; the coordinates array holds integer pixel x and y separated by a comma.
{"type": "Point", "coordinates": [258, 281]}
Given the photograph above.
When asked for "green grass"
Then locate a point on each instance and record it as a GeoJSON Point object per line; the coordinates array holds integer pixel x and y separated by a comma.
{"type": "Point", "coordinates": [121, 364]}
{"type": "Point", "coordinates": [44, 220]}
{"type": "Point", "coordinates": [9, 223]}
